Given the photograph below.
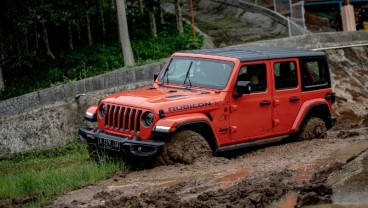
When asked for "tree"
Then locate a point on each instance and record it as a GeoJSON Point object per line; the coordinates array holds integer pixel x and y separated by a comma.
{"type": "Point", "coordinates": [151, 13]}
{"type": "Point", "coordinates": [179, 22]}
{"type": "Point", "coordinates": [152, 24]}
{"type": "Point", "coordinates": [89, 33]}
{"type": "Point", "coordinates": [124, 33]}
{"type": "Point", "coordinates": [101, 7]}
{"type": "Point", "coordinates": [2, 85]}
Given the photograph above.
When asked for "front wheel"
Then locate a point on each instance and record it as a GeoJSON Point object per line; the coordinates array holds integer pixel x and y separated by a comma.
{"type": "Point", "coordinates": [314, 128]}
{"type": "Point", "coordinates": [185, 147]}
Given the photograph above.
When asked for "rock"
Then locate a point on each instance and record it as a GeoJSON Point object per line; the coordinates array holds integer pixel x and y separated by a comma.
{"type": "Point", "coordinates": [256, 197]}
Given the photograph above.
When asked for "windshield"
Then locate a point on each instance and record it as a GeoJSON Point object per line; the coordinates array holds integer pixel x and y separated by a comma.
{"type": "Point", "coordinates": [197, 72]}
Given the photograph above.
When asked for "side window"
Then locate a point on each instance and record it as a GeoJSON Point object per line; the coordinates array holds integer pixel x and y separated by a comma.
{"type": "Point", "coordinates": [314, 74]}
{"type": "Point", "coordinates": [256, 74]}
{"type": "Point", "coordinates": [285, 75]}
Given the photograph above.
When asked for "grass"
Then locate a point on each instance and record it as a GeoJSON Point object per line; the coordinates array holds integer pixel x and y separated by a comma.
{"type": "Point", "coordinates": [222, 24]}
{"type": "Point", "coordinates": [33, 178]}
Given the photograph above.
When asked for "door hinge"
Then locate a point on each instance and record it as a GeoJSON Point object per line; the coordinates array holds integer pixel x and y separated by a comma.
{"type": "Point", "coordinates": [233, 108]}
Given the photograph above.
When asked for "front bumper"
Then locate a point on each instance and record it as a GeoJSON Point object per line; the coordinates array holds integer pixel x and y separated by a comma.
{"type": "Point", "coordinates": [130, 146]}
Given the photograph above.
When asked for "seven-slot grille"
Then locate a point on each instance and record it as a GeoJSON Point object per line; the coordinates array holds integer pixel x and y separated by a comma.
{"type": "Point", "coordinates": [123, 118]}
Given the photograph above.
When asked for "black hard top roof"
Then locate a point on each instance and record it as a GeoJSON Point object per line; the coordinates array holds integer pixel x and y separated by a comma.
{"type": "Point", "coordinates": [253, 53]}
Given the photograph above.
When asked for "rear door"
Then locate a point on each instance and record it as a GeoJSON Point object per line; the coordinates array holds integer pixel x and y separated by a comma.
{"type": "Point", "coordinates": [251, 114]}
{"type": "Point", "coordinates": [286, 94]}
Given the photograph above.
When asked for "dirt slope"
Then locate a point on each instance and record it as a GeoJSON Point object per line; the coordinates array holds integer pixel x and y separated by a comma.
{"type": "Point", "coordinates": [350, 82]}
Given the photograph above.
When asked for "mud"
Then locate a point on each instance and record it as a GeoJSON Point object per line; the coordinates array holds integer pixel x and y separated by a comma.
{"type": "Point", "coordinates": [252, 192]}
{"type": "Point", "coordinates": [255, 178]}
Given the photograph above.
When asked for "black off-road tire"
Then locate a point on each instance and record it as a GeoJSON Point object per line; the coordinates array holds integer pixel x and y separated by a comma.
{"type": "Point", "coordinates": [313, 128]}
{"type": "Point", "coordinates": [185, 147]}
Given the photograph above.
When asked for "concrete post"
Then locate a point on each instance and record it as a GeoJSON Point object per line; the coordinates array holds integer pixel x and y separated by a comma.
{"type": "Point", "coordinates": [348, 19]}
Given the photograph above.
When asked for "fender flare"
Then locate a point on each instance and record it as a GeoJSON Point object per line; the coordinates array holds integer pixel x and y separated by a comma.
{"type": "Point", "coordinates": [168, 126]}
{"type": "Point", "coordinates": [305, 109]}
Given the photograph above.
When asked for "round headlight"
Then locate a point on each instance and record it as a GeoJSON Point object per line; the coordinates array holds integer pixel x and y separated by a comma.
{"type": "Point", "coordinates": [148, 119]}
{"type": "Point", "coordinates": [102, 110]}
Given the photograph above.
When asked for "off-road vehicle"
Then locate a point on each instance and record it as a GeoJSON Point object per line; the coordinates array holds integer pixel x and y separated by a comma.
{"type": "Point", "coordinates": [216, 100]}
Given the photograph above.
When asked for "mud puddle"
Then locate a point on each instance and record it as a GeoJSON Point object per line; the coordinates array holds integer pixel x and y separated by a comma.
{"type": "Point", "coordinates": [350, 195]}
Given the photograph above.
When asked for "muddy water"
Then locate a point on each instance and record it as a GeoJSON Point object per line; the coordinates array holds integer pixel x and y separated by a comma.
{"type": "Point", "coordinates": [352, 195]}
{"type": "Point", "coordinates": [289, 201]}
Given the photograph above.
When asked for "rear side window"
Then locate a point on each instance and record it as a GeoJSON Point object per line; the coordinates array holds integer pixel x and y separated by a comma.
{"type": "Point", "coordinates": [315, 74]}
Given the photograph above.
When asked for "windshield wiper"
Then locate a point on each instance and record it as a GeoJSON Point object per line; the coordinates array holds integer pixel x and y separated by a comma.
{"type": "Point", "coordinates": [187, 75]}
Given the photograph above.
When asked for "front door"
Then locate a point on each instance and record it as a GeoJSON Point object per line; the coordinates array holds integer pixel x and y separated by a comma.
{"type": "Point", "coordinates": [251, 114]}
{"type": "Point", "coordinates": [287, 94]}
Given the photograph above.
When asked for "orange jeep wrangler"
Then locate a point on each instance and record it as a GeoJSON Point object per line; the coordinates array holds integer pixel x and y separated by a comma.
{"type": "Point", "coordinates": [216, 100]}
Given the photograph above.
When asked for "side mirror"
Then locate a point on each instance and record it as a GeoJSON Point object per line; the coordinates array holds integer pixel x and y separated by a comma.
{"type": "Point", "coordinates": [155, 75]}
{"type": "Point", "coordinates": [241, 88]}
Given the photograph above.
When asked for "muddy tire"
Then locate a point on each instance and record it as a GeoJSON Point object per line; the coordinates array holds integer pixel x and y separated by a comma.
{"type": "Point", "coordinates": [314, 128]}
{"type": "Point", "coordinates": [185, 147]}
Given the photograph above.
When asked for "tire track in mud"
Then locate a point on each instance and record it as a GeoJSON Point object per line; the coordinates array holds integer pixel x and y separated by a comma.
{"type": "Point", "coordinates": [253, 178]}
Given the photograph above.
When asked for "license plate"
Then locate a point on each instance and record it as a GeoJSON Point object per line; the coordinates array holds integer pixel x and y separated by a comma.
{"type": "Point", "coordinates": [108, 144]}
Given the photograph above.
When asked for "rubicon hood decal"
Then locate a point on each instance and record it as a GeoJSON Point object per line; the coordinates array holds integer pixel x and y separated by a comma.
{"type": "Point", "coordinates": [189, 106]}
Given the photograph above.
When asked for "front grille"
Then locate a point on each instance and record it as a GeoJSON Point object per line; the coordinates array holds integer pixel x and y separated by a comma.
{"type": "Point", "coordinates": [122, 118]}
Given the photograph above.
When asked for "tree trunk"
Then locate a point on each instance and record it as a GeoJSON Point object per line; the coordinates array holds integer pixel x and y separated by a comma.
{"type": "Point", "coordinates": [36, 34]}
{"type": "Point", "coordinates": [89, 33]}
{"type": "Point", "coordinates": [140, 2]}
{"type": "Point", "coordinates": [124, 33]}
{"type": "Point", "coordinates": [179, 22]}
{"type": "Point", "coordinates": [70, 35]}
{"type": "Point", "coordinates": [162, 21]}
{"type": "Point", "coordinates": [2, 84]}
{"type": "Point", "coordinates": [26, 43]}
{"type": "Point", "coordinates": [152, 24]}
{"type": "Point", "coordinates": [46, 40]}
{"type": "Point", "coordinates": [100, 2]}
{"type": "Point", "coordinates": [112, 9]}
{"type": "Point", "coordinates": [79, 31]}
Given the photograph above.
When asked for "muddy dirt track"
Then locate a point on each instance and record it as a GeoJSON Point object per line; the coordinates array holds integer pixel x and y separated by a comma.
{"type": "Point", "coordinates": [253, 178]}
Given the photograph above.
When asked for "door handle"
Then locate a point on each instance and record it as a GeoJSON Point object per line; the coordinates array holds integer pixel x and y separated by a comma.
{"type": "Point", "coordinates": [294, 99]}
{"type": "Point", "coordinates": [265, 103]}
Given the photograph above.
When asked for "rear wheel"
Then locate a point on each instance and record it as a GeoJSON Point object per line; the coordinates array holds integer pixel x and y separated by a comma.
{"type": "Point", "coordinates": [185, 147]}
{"type": "Point", "coordinates": [314, 128]}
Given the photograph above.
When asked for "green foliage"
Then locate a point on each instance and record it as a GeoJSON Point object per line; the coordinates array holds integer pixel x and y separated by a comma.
{"type": "Point", "coordinates": [165, 44]}
{"type": "Point", "coordinates": [33, 73]}
{"type": "Point", "coordinates": [43, 174]}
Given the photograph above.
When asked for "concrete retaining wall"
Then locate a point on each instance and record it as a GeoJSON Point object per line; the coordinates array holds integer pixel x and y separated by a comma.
{"type": "Point", "coordinates": [316, 40]}
{"type": "Point", "coordinates": [112, 79]}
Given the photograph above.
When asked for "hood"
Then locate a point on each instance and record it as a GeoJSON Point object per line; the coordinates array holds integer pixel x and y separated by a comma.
{"type": "Point", "coordinates": [168, 99]}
